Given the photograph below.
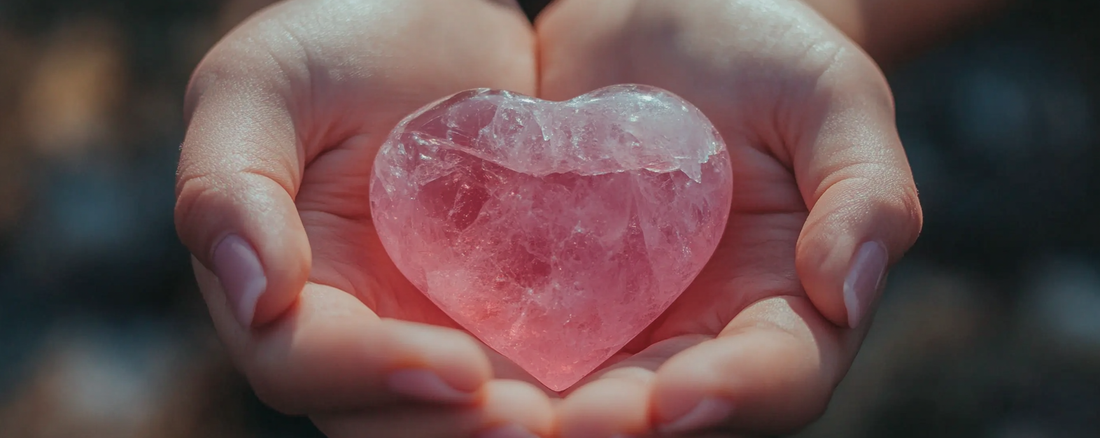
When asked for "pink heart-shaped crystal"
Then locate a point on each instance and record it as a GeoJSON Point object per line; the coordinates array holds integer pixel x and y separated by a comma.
{"type": "Point", "coordinates": [553, 231]}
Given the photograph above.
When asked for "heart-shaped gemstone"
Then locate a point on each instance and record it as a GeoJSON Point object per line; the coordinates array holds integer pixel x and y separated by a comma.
{"type": "Point", "coordinates": [553, 231]}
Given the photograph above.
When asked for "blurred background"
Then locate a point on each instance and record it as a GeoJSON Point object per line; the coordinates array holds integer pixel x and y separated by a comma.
{"type": "Point", "coordinates": [990, 328]}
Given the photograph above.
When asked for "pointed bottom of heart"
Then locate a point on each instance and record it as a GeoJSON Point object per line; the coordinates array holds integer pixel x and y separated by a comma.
{"type": "Point", "coordinates": [558, 350]}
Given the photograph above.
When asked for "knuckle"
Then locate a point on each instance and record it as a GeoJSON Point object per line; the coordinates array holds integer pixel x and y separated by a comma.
{"type": "Point", "coordinates": [911, 201]}
{"type": "Point", "coordinates": [188, 195]}
{"type": "Point", "coordinates": [192, 199]}
{"type": "Point", "coordinates": [908, 210]}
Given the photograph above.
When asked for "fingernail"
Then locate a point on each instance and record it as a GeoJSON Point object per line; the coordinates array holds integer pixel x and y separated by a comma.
{"type": "Point", "coordinates": [507, 431]}
{"type": "Point", "coordinates": [863, 280]}
{"type": "Point", "coordinates": [426, 385]}
{"type": "Point", "coordinates": [242, 276]}
{"type": "Point", "coordinates": [707, 413]}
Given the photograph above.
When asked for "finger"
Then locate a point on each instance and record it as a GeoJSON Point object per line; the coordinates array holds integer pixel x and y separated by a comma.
{"type": "Point", "coordinates": [508, 409]}
{"type": "Point", "coordinates": [239, 169]}
{"type": "Point", "coordinates": [771, 370]}
{"type": "Point", "coordinates": [615, 404]}
{"type": "Point", "coordinates": [330, 352]}
{"type": "Point", "coordinates": [579, 46]}
{"type": "Point", "coordinates": [855, 179]}
{"type": "Point", "coordinates": [616, 401]}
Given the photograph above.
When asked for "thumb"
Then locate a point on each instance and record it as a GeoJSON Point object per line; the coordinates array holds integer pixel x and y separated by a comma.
{"type": "Point", "coordinates": [854, 176]}
{"type": "Point", "coordinates": [239, 170]}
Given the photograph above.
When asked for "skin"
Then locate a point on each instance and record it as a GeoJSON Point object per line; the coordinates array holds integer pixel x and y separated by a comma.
{"type": "Point", "coordinates": [288, 110]}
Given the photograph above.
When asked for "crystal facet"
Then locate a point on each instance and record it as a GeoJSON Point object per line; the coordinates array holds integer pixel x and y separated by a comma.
{"type": "Point", "coordinates": [553, 231]}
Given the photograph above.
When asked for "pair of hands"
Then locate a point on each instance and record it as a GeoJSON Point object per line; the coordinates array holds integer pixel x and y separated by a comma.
{"type": "Point", "coordinates": [287, 112]}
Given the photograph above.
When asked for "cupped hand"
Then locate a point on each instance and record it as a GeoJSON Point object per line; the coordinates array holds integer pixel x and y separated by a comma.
{"type": "Point", "coordinates": [285, 117]}
{"type": "Point", "coordinates": [824, 202]}
{"type": "Point", "coordinates": [288, 111]}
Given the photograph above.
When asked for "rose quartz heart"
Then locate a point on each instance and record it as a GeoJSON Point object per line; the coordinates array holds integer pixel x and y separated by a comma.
{"type": "Point", "coordinates": [553, 231]}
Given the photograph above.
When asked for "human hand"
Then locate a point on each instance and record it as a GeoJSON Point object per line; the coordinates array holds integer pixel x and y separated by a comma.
{"type": "Point", "coordinates": [285, 117]}
{"type": "Point", "coordinates": [823, 201]}
{"type": "Point", "coordinates": [289, 110]}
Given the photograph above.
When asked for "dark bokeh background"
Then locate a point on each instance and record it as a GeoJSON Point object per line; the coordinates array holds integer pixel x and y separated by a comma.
{"type": "Point", "coordinates": [991, 328]}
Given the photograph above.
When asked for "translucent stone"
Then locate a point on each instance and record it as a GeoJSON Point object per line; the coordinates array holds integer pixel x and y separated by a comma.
{"type": "Point", "coordinates": [553, 231]}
